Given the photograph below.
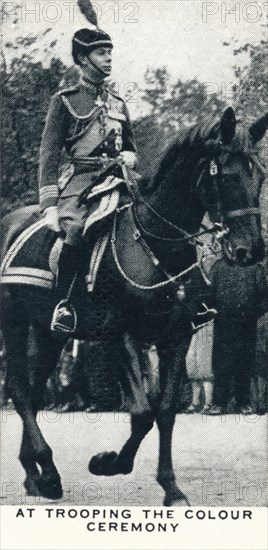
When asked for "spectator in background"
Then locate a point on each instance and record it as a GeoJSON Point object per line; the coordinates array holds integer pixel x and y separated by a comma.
{"type": "Point", "coordinates": [260, 374]}
{"type": "Point", "coordinates": [3, 394]}
{"type": "Point", "coordinates": [199, 355]}
{"type": "Point", "coordinates": [199, 366]}
{"type": "Point", "coordinates": [241, 297]}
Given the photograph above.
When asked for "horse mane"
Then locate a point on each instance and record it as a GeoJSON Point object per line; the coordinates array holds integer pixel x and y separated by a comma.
{"type": "Point", "coordinates": [175, 154]}
{"type": "Point", "coordinates": [196, 137]}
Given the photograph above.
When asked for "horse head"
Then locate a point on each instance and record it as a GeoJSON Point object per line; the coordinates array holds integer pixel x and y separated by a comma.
{"type": "Point", "coordinates": [230, 184]}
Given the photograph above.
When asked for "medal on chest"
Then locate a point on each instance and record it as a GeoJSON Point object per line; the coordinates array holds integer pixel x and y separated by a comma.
{"type": "Point", "coordinates": [103, 115]}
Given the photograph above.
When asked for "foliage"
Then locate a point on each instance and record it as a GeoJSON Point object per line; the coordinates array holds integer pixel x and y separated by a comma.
{"type": "Point", "coordinates": [25, 97]}
{"type": "Point", "coordinates": [252, 101]}
{"type": "Point", "coordinates": [252, 93]}
{"type": "Point", "coordinates": [28, 85]}
{"type": "Point", "coordinates": [174, 107]}
{"type": "Point", "coordinates": [156, 88]}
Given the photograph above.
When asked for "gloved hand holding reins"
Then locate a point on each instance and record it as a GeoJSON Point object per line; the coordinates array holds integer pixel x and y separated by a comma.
{"type": "Point", "coordinates": [129, 158]}
{"type": "Point", "coordinates": [52, 218]}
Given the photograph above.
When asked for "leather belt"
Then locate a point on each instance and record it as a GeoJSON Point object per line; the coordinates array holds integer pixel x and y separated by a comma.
{"type": "Point", "coordinates": [84, 165]}
{"type": "Point", "coordinates": [88, 164]}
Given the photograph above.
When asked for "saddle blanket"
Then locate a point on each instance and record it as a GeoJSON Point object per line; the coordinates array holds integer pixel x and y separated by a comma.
{"type": "Point", "coordinates": [32, 259]}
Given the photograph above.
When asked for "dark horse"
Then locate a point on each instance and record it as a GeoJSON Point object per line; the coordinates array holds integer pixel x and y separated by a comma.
{"type": "Point", "coordinates": [214, 170]}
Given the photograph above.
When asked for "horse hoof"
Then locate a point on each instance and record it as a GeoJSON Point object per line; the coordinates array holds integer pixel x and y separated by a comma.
{"type": "Point", "coordinates": [103, 464]}
{"type": "Point", "coordinates": [50, 488]}
{"type": "Point", "coordinates": [178, 499]}
{"type": "Point", "coordinates": [30, 485]}
{"type": "Point", "coordinates": [107, 464]}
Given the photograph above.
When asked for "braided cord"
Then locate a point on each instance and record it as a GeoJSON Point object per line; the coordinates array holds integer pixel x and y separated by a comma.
{"type": "Point", "coordinates": [162, 284]}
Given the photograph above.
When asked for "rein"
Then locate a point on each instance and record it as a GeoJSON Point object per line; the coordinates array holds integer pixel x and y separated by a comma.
{"type": "Point", "coordinates": [136, 195]}
{"type": "Point", "coordinates": [171, 279]}
{"type": "Point", "coordinates": [191, 238]}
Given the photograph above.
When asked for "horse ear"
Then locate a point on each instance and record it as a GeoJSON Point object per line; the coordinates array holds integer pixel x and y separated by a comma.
{"type": "Point", "coordinates": [258, 129]}
{"type": "Point", "coordinates": [228, 126]}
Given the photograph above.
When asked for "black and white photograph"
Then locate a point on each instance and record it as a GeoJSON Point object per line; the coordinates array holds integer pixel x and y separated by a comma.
{"type": "Point", "coordinates": [134, 297]}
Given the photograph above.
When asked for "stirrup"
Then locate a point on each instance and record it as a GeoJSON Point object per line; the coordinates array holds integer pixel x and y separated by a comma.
{"type": "Point", "coordinates": [64, 318]}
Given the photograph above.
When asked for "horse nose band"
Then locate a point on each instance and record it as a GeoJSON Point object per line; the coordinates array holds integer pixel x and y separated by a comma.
{"type": "Point", "coordinates": [214, 170]}
{"type": "Point", "coordinates": [222, 228]}
{"type": "Point", "coordinates": [241, 212]}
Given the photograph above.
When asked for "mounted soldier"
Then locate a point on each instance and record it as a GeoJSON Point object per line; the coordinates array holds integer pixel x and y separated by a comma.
{"type": "Point", "coordinates": [150, 260]}
{"type": "Point", "coordinates": [93, 125]}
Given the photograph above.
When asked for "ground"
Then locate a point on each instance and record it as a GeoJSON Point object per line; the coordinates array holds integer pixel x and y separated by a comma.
{"type": "Point", "coordinates": [219, 461]}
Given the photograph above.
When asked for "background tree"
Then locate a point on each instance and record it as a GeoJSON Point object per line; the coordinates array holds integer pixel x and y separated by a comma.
{"type": "Point", "coordinates": [26, 94]}
{"type": "Point", "coordinates": [252, 102]}
{"type": "Point", "coordinates": [173, 107]}
{"type": "Point", "coordinates": [169, 107]}
{"type": "Point", "coordinates": [157, 88]}
{"type": "Point", "coordinates": [28, 84]}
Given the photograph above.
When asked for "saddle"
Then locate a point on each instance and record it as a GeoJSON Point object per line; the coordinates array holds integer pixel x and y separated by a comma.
{"type": "Point", "coordinates": [31, 258]}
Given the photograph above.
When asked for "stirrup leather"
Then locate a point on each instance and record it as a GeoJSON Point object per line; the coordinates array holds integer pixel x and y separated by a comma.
{"type": "Point", "coordinates": [64, 309]}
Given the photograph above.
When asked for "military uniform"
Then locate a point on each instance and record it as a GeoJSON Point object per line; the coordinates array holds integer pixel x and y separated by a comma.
{"type": "Point", "coordinates": [92, 124]}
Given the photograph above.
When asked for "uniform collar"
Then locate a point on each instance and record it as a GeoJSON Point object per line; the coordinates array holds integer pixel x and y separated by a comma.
{"type": "Point", "coordinates": [95, 87]}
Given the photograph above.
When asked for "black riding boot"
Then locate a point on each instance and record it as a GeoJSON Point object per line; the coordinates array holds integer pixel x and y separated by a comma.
{"type": "Point", "coordinates": [64, 318]}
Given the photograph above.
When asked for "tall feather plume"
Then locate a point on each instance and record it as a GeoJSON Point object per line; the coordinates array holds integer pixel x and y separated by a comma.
{"type": "Point", "coordinates": [88, 11]}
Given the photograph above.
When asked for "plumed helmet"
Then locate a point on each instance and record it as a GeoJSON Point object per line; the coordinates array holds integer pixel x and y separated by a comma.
{"type": "Point", "coordinates": [86, 40]}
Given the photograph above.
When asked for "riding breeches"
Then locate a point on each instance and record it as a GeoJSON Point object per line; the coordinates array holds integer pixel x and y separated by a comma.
{"type": "Point", "coordinates": [72, 219]}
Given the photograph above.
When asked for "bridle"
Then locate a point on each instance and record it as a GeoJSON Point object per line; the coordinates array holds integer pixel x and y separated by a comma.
{"type": "Point", "coordinates": [138, 197]}
{"type": "Point", "coordinates": [191, 238]}
{"type": "Point", "coordinates": [219, 227]}
{"type": "Point", "coordinates": [230, 214]}
{"type": "Point", "coordinates": [241, 212]}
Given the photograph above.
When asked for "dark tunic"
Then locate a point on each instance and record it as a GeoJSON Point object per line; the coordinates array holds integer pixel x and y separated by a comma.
{"type": "Point", "coordinates": [91, 124]}
{"type": "Point", "coordinates": [87, 121]}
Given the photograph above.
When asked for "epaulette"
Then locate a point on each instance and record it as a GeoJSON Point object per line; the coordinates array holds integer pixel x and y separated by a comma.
{"type": "Point", "coordinates": [69, 90]}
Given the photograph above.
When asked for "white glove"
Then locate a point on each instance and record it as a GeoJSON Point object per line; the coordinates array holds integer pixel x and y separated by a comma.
{"type": "Point", "coordinates": [129, 158]}
{"type": "Point", "coordinates": [52, 218]}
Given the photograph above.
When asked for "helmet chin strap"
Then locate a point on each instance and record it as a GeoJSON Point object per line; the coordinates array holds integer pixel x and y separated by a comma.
{"type": "Point", "coordinates": [103, 74]}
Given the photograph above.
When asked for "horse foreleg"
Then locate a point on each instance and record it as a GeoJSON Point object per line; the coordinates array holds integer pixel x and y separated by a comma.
{"type": "Point", "coordinates": [142, 417]}
{"type": "Point", "coordinates": [166, 476]}
{"type": "Point", "coordinates": [27, 460]}
{"type": "Point", "coordinates": [111, 463]}
{"type": "Point", "coordinates": [170, 363]}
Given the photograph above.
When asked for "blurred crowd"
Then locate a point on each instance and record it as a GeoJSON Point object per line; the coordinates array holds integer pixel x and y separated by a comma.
{"type": "Point", "coordinates": [227, 358]}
